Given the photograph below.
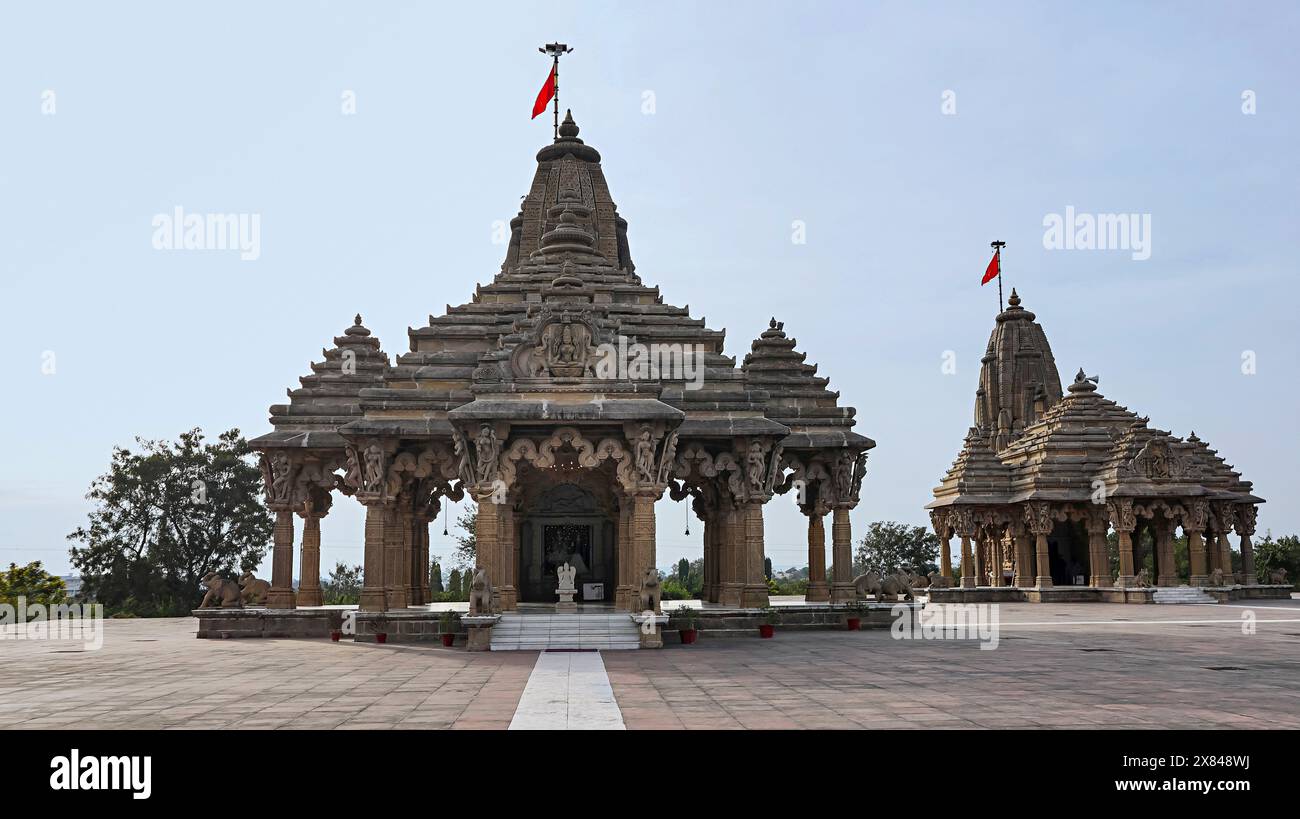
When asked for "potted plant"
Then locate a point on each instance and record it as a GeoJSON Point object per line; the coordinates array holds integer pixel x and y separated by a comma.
{"type": "Point", "coordinates": [335, 635]}
{"type": "Point", "coordinates": [381, 629]}
{"type": "Point", "coordinates": [448, 625]}
{"type": "Point", "coordinates": [687, 620]}
{"type": "Point", "coordinates": [771, 619]}
{"type": "Point", "coordinates": [853, 619]}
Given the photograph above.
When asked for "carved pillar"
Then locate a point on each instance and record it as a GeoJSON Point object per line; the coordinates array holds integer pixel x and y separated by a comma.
{"type": "Point", "coordinates": [397, 550]}
{"type": "Point", "coordinates": [486, 535]}
{"type": "Point", "coordinates": [420, 567]}
{"type": "Point", "coordinates": [1024, 546]}
{"type": "Point", "coordinates": [755, 595]}
{"type": "Point", "coordinates": [508, 561]}
{"type": "Point", "coordinates": [642, 548]}
{"type": "Point", "coordinates": [1124, 519]}
{"type": "Point", "coordinates": [309, 591]}
{"type": "Point", "coordinates": [978, 545]}
{"type": "Point", "coordinates": [1164, 545]}
{"type": "Point", "coordinates": [709, 591]}
{"type": "Point", "coordinates": [818, 591]}
{"type": "Point", "coordinates": [1098, 556]}
{"type": "Point", "coordinates": [1194, 524]}
{"type": "Point", "coordinates": [1224, 517]}
{"type": "Point", "coordinates": [280, 595]}
{"type": "Point", "coordinates": [963, 523]}
{"type": "Point", "coordinates": [1038, 519]}
{"type": "Point", "coordinates": [842, 590]}
{"type": "Point", "coordinates": [624, 592]}
{"type": "Point", "coordinates": [1245, 525]}
{"type": "Point", "coordinates": [373, 597]}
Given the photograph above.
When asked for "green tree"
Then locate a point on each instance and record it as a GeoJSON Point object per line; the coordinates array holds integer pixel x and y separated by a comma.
{"type": "Point", "coordinates": [890, 546]}
{"type": "Point", "coordinates": [453, 585]}
{"type": "Point", "coordinates": [767, 569]}
{"type": "Point", "coordinates": [343, 586]}
{"type": "Point", "coordinates": [467, 546]}
{"type": "Point", "coordinates": [166, 515]}
{"type": "Point", "coordinates": [33, 583]}
{"type": "Point", "coordinates": [435, 577]}
{"type": "Point", "coordinates": [1283, 553]}
{"type": "Point", "coordinates": [466, 580]}
{"type": "Point", "coordinates": [683, 571]}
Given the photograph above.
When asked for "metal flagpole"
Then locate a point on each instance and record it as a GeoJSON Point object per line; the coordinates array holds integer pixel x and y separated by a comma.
{"type": "Point", "coordinates": [997, 250]}
{"type": "Point", "coordinates": [555, 50]}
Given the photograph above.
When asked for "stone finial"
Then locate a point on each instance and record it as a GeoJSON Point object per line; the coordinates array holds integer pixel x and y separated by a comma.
{"type": "Point", "coordinates": [1084, 383]}
{"type": "Point", "coordinates": [568, 128]}
{"type": "Point", "coordinates": [1014, 301]}
{"type": "Point", "coordinates": [356, 329]}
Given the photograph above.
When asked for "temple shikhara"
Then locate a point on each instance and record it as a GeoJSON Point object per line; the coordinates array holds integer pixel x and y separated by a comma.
{"type": "Point", "coordinates": [565, 398]}
{"type": "Point", "coordinates": [1045, 474]}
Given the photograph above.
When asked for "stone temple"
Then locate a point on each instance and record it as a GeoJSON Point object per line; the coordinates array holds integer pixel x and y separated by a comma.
{"type": "Point", "coordinates": [1045, 474]}
{"type": "Point", "coordinates": [566, 398]}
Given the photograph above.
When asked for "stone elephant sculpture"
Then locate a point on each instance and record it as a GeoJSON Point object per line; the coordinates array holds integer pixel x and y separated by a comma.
{"type": "Point", "coordinates": [253, 590]}
{"type": "Point", "coordinates": [221, 591]}
{"type": "Point", "coordinates": [882, 586]}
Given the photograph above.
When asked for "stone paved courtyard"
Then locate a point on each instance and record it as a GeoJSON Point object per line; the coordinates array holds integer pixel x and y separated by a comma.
{"type": "Point", "coordinates": [1058, 666]}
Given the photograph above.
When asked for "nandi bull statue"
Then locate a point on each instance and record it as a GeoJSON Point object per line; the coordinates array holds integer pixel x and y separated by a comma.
{"type": "Point", "coordinates": [884, 587]}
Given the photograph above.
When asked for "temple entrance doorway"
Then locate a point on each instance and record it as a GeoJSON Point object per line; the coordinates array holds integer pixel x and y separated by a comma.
{"type": "Point", "coordinates": [1068, 548]}
{"type": "Point", "coordinates": [565, 524]}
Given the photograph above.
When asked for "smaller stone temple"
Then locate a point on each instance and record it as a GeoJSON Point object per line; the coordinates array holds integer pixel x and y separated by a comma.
{"type": "Point", "coordinates": [1045, 475]}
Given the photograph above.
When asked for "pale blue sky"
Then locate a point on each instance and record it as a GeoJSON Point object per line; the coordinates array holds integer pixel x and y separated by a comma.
{"type": "Point", "coordinates": [828, 113]}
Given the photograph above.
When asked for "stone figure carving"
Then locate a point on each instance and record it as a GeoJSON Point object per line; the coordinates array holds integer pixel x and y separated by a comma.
{"type": "Point", "coordinates": [280, 468]}
{"type": "Point", "coordinates": [252, 590]}
{"type": "Point", "coordinates": [938, 581]}
{"type": "Point", "coordinates": [918, 581]}
{"type": "Point", "coordinates": [1216, 577]}
{"type": "Point", "coordinates": [1144, 579]}
{"type": "Point", "coordinates": [755, 467]}
{"type": "Point", "coordinates": [1155, 462]}
{"type": "Point", "coordinates": [842, 476]}
{"type": "Point", "coordinates": [564, 350]}
{"type": "Point", "coordinates": [486, 450]}
{"type": "Point", "coordinates": [352, 473]}
{"type": "Point", "coordinates": [1277, 577]}
{"type": "Point", "coordinates": [374, 468]}
{"type": "Point", "coordinates": [648, 597]}
{"type": "Point", "coordinates": [481, 600]}
{"type": "Point", "coordinates": [645, 453]}
{"type": "Point", "coordinates": [565, 575]}
{"type": "Point", "coordinates": [667, 462]}
{"type": "Point", "coordinates": [882, 586]}
{"type": "Point", "coordinates": [221, 591]}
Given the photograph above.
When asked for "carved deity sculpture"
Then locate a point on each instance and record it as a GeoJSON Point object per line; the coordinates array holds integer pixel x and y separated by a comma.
{"type": "Point", "coordinates": [565, 575]}
{"type": "Point", "coordinates": [645, 454]}
{"type": "Point", "coordinates": [374, 468]}
{"type": "Point", "coordinates": [486, 449]}
{"type": "Point", "coordinates": [755, 466]}
{"type": "Point", "coordinates": [280, 469]}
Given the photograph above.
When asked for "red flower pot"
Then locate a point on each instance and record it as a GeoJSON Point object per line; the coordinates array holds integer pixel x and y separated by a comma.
{"type": "Point", "coordinates": [688, 636]}
{"type": "Point", "coordinates": [448, 639]}
{"type": "Point", "coordinates": [765, 631]}
{"type": "Point", "coordinates": [381, 637]}
{"type": "Point", "coordinates": [335, 635]}
{"type": "Point", "coordinates": [854, 623]}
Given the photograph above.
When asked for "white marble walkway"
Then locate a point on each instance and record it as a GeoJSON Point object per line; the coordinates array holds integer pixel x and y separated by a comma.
{"type": "Point", "coordinates": [568, 690]}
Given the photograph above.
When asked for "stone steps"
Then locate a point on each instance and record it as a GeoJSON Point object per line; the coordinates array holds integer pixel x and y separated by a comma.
{"type": "Point", "coordinates": [1181, 595]}
{"type": "Point", "coordinates": [538, 632]}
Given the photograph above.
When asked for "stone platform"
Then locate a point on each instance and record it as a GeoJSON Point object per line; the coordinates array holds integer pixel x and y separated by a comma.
{"type": "Point", "coordinates": [217, 624]}
{"type": "Point", "coordinates": [1089, 594]}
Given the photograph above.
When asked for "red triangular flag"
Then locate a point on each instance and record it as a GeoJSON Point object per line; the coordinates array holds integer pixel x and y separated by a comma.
{"type": "Point", "coordinates": [544, 96]}
{"type": "Point", "coordinates": [991, 272]}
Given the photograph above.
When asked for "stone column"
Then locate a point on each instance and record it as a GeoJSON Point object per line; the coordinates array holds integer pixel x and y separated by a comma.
{"type": "Point", "coordinates": [643, 542]}
{"type": "Point", "coordinates": [945, 555]}
{"type": "Point", "coordinates": [709, 591]}
{"type": "Point", "coordinates": [280, 595]}
{"type": "Point", "coordinates": [1164, 546]}
{"type": "Point", "coordinates": [420, 568]}
{"type": "Point", "coordinates": [967, 564]}
{"type": "Point", "coordinates": [977, 547]}
{"type": "Point", "coordinates": [1245, 525]}
{"type": "Point", "coordinates": [755, 595]}
{"type": "Point", "coordinates": [373, 597]}
{"type": "Point", "coordinates": [1194, 524]}
{"type": "Point", "coordinates": [1225, 553]}
{"type": "Point", "coordinates": [1124, 519]}
{"type": "Point", "coordinates": [623, 592]}
{"type": "Point", "coordinates": [397, 536]}
{"type": "Point", "coordinates": [842, 590]}
{"type": "Point", "coordinates": [731, 571]}
{"type": "Point", "coordinates": [818, 591]}
{"type": "Point", "coordinates": [508, 565]}
{"type": "Point", "coordinates": [309, 590]}
{"type": "Point", "coordinates": [1038, 518]}
{"type": "Point", "coordinates": [1098, 557]}
{"type": "Point", "coordinates": [486, 532]}
{"type": "Point", "coordinates": [1024, 555]}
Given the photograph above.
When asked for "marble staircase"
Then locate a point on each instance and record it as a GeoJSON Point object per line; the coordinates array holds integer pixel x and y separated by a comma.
{"type": "Point", "coordinates": [1180, 594]}
{"type": "Point", "coordinates": [603, 630]}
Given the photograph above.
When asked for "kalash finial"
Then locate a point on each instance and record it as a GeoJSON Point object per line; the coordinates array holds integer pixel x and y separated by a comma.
{"type": "Point", "coordinates": [357, 321]}
{"type": "Point", "coordinates": [1084, 383]}
{"type": "Point", "coordinates": [1014, 301]}
{"type": "Point", "coordinates": [568, 128]}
